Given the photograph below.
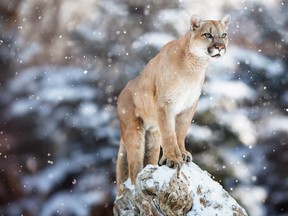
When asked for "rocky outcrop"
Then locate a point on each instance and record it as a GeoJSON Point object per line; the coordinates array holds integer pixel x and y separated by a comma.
{"type": "Point", "coordinates": [185, 191]}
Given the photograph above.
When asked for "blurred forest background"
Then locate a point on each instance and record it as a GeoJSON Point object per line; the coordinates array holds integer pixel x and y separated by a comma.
{"type": "Point", "coordinates": [63, 63]}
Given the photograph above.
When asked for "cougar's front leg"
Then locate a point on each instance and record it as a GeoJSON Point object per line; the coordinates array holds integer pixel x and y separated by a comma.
{"type": "Point", "coordinates": [183, 121]}
{"type": "Point", "coordinates": [171, 152]}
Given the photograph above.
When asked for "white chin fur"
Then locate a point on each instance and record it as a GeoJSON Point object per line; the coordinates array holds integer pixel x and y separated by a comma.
{"type": "Point", "coordinates": [217, 53]}
{"type": "Point", "coordinates": [200, 52]}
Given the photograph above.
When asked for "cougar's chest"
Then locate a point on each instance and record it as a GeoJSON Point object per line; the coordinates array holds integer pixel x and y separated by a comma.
{"type": "Point", "coordinates": [184, 98]}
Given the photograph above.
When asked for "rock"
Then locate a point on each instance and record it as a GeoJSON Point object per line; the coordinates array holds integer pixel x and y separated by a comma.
{"type": "Point", "coordinates": [185, 191]}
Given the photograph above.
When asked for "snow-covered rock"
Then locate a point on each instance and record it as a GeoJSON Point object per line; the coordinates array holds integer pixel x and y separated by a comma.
{"type": "Point", "coordinates": [185, 191]}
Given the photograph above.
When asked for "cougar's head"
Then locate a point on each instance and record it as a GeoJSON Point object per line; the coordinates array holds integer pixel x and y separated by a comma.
{"type": "Point", "coordinates": [209, 37]}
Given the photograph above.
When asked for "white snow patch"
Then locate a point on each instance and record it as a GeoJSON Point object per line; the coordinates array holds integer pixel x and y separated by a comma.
{"type": "Point", "coordinates": [235, 90]}
{"type": "Point", "coordinates": [30, 51]}
{"type": "Point", "coordinates": [91, 34]}
{"type": "Point", "coordinates": [205, 104]}
{"type": "Point", "coordinates": [236, 161]}
{"type": "Point", "coordinates": [156, 39]}
{"type": "Point", "coordinates": [114, 8]}
{"type": "Point", "coordinates": [128, 184]}
{"type": "Point", "coordinates": [22, 107]}
{"type": "Point", "coordinates": [164, 175]}
{"type": "Point", "coordinates": [240, 125]}
{"type": "Point", "coordinates": [47, 179]}
{"type": "Point", "coordinates": [252, 198]}
{"type": "Point", "coordinates": [199, 133]}
{"type": "Point", "coordinates": [56, 94]}
{"type": "Point", "coordinates": [271, 125]}
{"type": "Point", "coordinates": [177, 18]}
{"type": "Point", "coordinates": [88, 109]}
{"type": "Point", "coordinates": [75, 204]}
{"type": "Point", "coordinates": [216, 193]}
{"type": "Point", "coordinates": [257, 62]}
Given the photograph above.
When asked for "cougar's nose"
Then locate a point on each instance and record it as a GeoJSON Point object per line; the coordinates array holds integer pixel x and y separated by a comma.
{"type": "Point", "coordinates": [219, 46]}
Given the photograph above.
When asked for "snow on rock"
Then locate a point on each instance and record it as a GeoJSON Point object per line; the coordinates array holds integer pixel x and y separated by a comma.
{"type": "Point", "coordinates": [185, 191]}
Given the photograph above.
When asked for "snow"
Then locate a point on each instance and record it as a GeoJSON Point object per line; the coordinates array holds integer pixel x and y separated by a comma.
{"type": "Point", "coordinates": [58, 94]}
{"type": "Point", "coordinates": [234, 90]}
{"type": "Point", "coordinates": [199, 133]}
{"type": "Point", "coordinates": [48, 179]}
{"type": "Point", "coordinates": [252, 198]}
{"type": "Point", "coordinates": [63, 104]}
{"type": "Point", "coordinates": [212, 189]}
{"type": "Point", "coordinates": [67, 203]}
{"type": "Point", "coordinates": [50, 92]}
{"type": "Point", "coordinates": [22, 107]}
{"type": "Point", "coordinates": [155, 39]}
{"type": "Point", "coordinates": [29, 52]}
{"type": "Point", "coordinates": [235, 159]}
{"type": "Point", "coordinates": [89, 116]}
{"type": "Point", "coordinates": [128, 184]}
{"type": "Point", "coordinates": [91, 34]}
{"type": "Point", "coordinates": [257, 62]}
{"type": "Point", "coordinates": [114, 7]}
{"type": "Point", "coordinates": [172, 16]}
{"type": "Point", "coordinates": [164, 175]}
{"type": "Point", "coordinates": [49, 76]}
{"type": "Point", "coordinates": [241, 125]}
{"type": "Point", "coordinates": [273, 125]}
{"type": "Point", "coordinates": [198, 179]}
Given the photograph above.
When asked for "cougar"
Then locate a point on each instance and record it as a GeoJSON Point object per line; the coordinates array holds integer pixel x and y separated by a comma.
{"type": "Point", "coordinates": [157, 107]}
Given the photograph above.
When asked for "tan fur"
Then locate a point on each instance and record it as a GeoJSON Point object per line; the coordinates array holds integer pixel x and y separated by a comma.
{"type": "Point", "coordinates": [156, 108]}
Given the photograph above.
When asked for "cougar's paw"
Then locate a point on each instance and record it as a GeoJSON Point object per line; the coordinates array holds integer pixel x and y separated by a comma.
{"type": "Point", "coordinates": [187, 157]}
{"type": "Point", "coordinates": [170, 162]}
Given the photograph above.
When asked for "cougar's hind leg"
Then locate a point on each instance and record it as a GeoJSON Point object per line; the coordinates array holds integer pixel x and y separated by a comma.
{"type": "Point", "coordinates": [135, 147]}
{"type": "Point", "coordinates": [152, 146]}
{"type": "Point", "coordinates": [121, 168]}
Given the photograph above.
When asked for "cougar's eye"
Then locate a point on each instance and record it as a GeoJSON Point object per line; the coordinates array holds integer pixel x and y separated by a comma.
{"type": "Point", "coordinates": [208, 35]}
{"type": "Point", "coordinates": [224, 35]}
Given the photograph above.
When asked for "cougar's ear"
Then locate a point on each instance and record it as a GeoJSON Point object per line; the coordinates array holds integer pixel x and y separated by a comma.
{"type": "Point", "coordinates": [225, 20]}
{"type": "Point", "coordinates": [195, 22]}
